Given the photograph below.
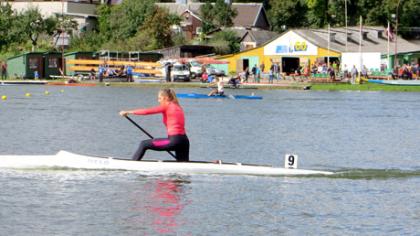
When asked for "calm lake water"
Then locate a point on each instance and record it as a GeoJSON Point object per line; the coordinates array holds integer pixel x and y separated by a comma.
{"type": "Point", "coordinates": [370, 138]}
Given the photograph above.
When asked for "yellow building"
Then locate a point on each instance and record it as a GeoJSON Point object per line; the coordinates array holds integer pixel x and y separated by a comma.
{"type": "Point", "coordinates": [292, 49]}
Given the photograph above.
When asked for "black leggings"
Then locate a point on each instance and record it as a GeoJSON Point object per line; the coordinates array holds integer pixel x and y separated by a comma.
{"type": "Point", "coordinates": [178, 143]}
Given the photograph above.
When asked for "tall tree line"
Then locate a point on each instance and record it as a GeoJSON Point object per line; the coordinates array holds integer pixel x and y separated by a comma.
{"type": "Point", "coordinates": [284, 14]}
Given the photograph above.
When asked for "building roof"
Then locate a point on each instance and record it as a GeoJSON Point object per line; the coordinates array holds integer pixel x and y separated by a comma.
{"type": "Point", "coordinates": [374, 40]}
{"type": "Point", "coordinates": [247, 12]}
{"type": "Point", "coordinates": [415, 41]}
{"type": "Point", "coordinates": [258, 36]}
{"type": "Point", "coordinates": [261, 36]}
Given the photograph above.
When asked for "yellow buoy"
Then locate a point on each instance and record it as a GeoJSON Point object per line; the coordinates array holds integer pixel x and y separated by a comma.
{"type": "Point", "coordinates": [4, 97]}
{"type": "Point", "coordinates": [47, 93]}
{"type": "Point", "coordinates": [28, 94]}
{"type": "Point", "coordinates": [62, 90]}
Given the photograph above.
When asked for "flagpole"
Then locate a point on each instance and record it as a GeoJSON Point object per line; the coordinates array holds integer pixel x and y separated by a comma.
{"type": "Point", "coordinates": [360, 48]}
{"type": "Point", "coordinates": [388, 35]}
{"type": "Point", "coordinates": [329, 39]}
{"type": "Point", "coordinates": [396, 40]}
{"type": "Point", "coordinates": [345, 2]}
{"type": "Point", "coordinates": [63, 66]}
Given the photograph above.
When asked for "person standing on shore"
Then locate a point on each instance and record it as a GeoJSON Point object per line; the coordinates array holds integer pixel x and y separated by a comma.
{"type": "Point", "coordinates": [271, 75]}
{"type": "Point", "coordinates": [3, 70]}
{"type": "Point", "coordinates": [262, 67]}
{"type": "Point", "coordinates": [129, 73]}
{"type": "Point", "coordinates": [168, 67]}
{"type": "Point", "coordinates": [101, 72]}
{"type": "Point", "coordinates": [345, 72]}
{"type": "Point", "coordinates": [254, 72]}
{"type": "Point", "coordinates": [246, 73]}
{"type": "Point", "coordinates": [353, 75]}
{"type": "Point", "coordinates": [258, 75]}
{"type": "Point", "coordinates": [276, 71]}
{"type": "Point", "coordinates": [173, 119]}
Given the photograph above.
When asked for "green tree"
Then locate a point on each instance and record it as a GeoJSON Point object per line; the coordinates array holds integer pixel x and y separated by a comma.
{"type": "Point", "coordinates": [125, 19]}
{"type": "Point", "coordinates": [7, 31]}
{"type": "Point", "coordinates": [373, 11]}
{"type": "Point", "coordinates": [31, 25]}
{"type": "Point", "coordinates": [224, 14]}
{"type": "Point", "coordinates": [206, 12]}
{"type": "Point", "coordinates": [225, 42]}
{"type": "Point", "coordinates": [288, 14]}
{"type": "Point", "coordinates": [156, 31]}
{"type": "Point", "coordinates": [318, 12]}
{"type": "Point", "coordinates": [216, 15]}
{"type": "Point", "coordinates": [104, 14]}
{"type": "Point", "coordinates": [88, 41]}
{"type": "Point", "coordinates": [408, 16]}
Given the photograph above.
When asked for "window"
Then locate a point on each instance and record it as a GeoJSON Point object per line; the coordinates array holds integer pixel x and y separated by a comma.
{"type": "Point", "coordinates": [33, 63]}
{"type": "Point", "coordinates": [52, 62]}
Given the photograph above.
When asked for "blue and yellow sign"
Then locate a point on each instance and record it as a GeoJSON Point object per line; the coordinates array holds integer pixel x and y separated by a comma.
{"type": "Point", "coordinates": [282, 49]}
{"type": "Point", "coordinates": [300, 46]}
{"type": "Point", "coordinates": [293, 47]}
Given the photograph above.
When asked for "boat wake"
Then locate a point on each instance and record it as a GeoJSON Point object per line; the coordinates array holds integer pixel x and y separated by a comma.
{"type": "Point", "coordinates": [368, 174]}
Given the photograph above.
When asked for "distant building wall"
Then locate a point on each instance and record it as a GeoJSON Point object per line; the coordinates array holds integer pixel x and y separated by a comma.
{"type": "Point", "coordinates": [372, 60]}
{"type": "Point", "coordinates": [80, 12]}
{"type": "Point", "coordinates": [24, 65]}
{"type": "Point", "coordinates": [81, 8]}
{"type": "Point", "coordinates": [46, 9]}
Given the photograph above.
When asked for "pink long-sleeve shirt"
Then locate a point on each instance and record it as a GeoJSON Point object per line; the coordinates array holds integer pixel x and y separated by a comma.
{"type": "Point", "coordinates": [173, 117]}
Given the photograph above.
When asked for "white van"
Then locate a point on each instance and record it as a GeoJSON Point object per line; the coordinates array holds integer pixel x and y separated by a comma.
{"type": "Point", "coordinates": [180, 72]}
{"type": "Point", "coordinates": [195, 69]}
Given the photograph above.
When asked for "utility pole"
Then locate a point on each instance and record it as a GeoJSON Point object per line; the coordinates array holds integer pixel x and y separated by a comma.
{"type": "Point", "coordinates": [396, 40]}
{"type": "Point", "coordinates": [329, 40]}
{"type": "Point", "coordinates": [388, 35]}
{"type": "Point", "coordinates": [360, 46]}
{"type": "Point", "coordinates": [62, 43]}
{"type": "Point", "coordinates": [345, 7]}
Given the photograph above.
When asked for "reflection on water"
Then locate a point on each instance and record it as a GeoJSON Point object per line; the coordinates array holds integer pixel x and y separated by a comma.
{"type": "Point", "coordinates": [160, 203]}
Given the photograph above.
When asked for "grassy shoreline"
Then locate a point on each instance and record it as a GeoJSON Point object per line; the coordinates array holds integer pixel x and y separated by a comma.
{"type": "Point", "coordinates": [364, 87]}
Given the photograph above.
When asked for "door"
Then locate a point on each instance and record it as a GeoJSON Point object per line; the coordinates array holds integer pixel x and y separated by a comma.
{"type": "Point", "coordinates": [290, 64]}
{"type": "Point", "coordinates": [245, 64]}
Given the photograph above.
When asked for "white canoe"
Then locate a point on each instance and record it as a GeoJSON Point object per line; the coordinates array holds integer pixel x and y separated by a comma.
{"type": "Point", "coordinates": [397, 82]}
{"type": "Point", "coordinates": [64, 159]}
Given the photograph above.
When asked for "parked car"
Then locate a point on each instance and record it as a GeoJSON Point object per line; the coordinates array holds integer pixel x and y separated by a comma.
{"type": "Point", "coordinates": [195, 69]}
{"type": "Point", "coordinates": [180, 72]}
{"type": "Point", "coordinates": [214, 71]}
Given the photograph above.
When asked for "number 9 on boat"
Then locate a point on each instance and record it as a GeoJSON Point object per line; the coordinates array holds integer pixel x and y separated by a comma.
{"type": "Point", "coordinates": [290, 161]}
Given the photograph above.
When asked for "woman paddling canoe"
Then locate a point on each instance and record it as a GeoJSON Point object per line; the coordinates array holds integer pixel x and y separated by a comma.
{"type": "Point", "coordinates": [173, 119]}
{"type": "Point", "coordinates": [219, 90]}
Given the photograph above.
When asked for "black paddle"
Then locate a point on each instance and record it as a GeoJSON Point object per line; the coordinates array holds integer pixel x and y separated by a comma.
{"type": "Point", "coordinates": [147, 133]}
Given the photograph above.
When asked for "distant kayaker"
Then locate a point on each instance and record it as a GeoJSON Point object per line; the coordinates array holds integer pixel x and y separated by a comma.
{"type": "Point", "coordinates": [173, 119]}
{"type": "Point", "coordinates": [219, 90]}
{"type": "Point", "coordinates": [234, 81]}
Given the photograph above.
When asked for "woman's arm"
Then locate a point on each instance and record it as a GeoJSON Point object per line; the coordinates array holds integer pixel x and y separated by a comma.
{"type": "Point", "coordinates": [146, 111]}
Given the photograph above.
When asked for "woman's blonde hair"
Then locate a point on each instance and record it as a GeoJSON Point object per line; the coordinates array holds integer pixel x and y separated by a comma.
{"type": "Point", "coordinates": [170, 94]}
